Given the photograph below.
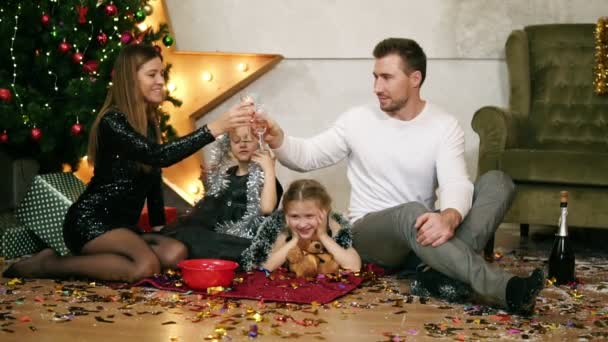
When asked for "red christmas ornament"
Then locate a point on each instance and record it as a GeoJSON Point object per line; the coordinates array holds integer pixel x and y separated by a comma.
{"type": "Point", "coordinates": [102, 38]}
{"type": "Point", "coordinates": [126, 37]}
{"type": "Point", "coordinates": [77, 57]}
{"type": "Point", "coordinates": [5, 95]}
{"type": "Point", "coordinates": [158, 49]}
{"type": "Point", "coordinates": [45, 19]}
{"type": "Point", "coordinates": [64, 47]}
{"type": "Point", "coordinates": [76, 129]}
{"type": "Point", "coordinates": [3, 137]}
{"type": "Point", "coordinates": [90, 66]}
{"type": "Point", "coordinates": [37, 52]}
{"type": "Point", "coordinates": [82, 13]}
{"type": "Point", "coordinates": [111, 10]}
{"type": "Point", "coordinates": [36, 134]}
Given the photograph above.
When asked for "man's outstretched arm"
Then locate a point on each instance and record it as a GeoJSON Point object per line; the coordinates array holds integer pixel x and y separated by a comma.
{"type": "Point", "coordinates": [322, 150]}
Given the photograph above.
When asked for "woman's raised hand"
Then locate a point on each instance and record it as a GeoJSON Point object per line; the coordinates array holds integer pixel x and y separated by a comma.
{"type": "Point", "coordinates": [241, 114]}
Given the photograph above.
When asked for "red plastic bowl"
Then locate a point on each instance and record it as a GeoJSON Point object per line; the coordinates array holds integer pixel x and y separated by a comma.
{"type": "Point", "coordinates": [203, 273]}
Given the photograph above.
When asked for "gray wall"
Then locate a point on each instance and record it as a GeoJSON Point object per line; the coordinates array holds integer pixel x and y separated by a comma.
{"type": "Point", "coordinates": [327, 47]}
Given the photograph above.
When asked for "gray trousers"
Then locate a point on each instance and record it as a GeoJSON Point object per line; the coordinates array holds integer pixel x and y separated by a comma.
{"type": "Point", "coordinates": [388, 236]}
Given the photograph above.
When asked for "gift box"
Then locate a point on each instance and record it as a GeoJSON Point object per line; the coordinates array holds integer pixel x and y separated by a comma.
{"type": "Point", "coordinates": [144, 220]}
{"type": "Point", "coordinates": [45, 205]}
{"type": "Point", "coordinates": [15, 239]}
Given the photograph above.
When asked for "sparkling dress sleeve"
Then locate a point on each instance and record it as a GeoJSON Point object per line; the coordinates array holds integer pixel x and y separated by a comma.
{"type": "Point", "coordinates": [136, 147]}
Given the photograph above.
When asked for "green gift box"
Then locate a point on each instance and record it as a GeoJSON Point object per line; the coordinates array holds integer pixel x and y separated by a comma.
{"type": "Point", "coordinates": [15, 239]}
{"type": "Point", "coordinates": [45, 205]}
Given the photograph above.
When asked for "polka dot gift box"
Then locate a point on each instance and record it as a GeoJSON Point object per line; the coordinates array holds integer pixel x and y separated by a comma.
{"type": "Point", "coordinates": [45, 204]}
{"type": "Point", "coordinates": [15, 239]}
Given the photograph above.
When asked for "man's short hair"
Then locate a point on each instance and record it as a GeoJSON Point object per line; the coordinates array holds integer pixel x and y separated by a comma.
{"type": "Point", "coordinates": [411, 54]}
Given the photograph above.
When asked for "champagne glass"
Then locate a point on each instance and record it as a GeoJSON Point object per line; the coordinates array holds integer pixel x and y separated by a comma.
{"type": "Point", "coordinates": [260, 126]}
{"type": "Point", "coordinates": [259, 108]}
{"type": "Point", "coordinates": [250, 97]}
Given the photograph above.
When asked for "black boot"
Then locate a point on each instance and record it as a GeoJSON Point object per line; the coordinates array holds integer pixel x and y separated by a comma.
{"type": "Point", "coordinates": [522, 291]}
{"type": "Point", "coordinates": [433, 283]}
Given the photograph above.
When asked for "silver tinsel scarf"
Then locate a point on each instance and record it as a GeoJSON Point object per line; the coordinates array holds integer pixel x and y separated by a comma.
{"type": "Point", "coordinates": [217, 181]}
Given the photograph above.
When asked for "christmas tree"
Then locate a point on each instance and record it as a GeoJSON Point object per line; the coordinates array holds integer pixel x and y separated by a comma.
{"type": "Point", "coordinates": [56, 60]}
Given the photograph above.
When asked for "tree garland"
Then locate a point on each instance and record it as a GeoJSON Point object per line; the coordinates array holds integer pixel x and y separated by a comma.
{"type": "Point", "coordinates": [600, 82]}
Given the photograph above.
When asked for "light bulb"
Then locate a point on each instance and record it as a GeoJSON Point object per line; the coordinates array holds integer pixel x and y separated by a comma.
{"type": "Point", "coordinates": [142, 26]}
{"type": "Point", "coordinates": [207, 76]}
{"type": "Point", "coordinates": [171, 87]}
{"type": "Point", "coordinates": [243, 67]}
{"type": "Point", "coordinates": [193, 188]}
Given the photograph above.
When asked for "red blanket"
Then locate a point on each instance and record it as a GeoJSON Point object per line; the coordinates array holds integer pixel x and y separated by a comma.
{"type": "Point", "coordinates": [279, 286]}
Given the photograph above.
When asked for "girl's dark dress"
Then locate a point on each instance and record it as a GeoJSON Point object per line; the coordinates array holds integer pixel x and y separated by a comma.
{"type": "Point", "coordinates": [198, 230]}
{"type": "Point", "coordinates": [116, 194]}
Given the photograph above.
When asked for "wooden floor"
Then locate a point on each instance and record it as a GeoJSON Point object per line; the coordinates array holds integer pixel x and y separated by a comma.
{"type": "Point", "coordinates": [45, 310]}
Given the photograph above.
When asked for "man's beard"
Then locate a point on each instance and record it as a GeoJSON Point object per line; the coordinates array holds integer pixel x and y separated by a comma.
{"type": "Point", "coordinates": [394, 106]}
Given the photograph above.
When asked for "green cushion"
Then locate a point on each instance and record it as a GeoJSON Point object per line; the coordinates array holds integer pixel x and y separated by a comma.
{"type": "Point", "coordinates": [558, 167]}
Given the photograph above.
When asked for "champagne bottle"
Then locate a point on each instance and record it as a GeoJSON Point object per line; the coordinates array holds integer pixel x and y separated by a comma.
{"type": "Point", "coordinates": [561, 261]}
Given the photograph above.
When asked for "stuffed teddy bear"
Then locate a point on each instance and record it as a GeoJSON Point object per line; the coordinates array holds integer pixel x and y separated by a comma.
{"type": "Point", "coordinates": [309, 258]}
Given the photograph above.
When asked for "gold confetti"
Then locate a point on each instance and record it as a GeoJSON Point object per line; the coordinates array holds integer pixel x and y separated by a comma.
{"type": "Point", "coordinates": [15, 281]}
{"type": "Point", "coordinates": [215, 289]}
{"type": "Point", "coordinates": [257, 317]}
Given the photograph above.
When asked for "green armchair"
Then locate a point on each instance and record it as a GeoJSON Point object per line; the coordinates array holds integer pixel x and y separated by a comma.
{"type": "Point", "coordinates": [554, 135]}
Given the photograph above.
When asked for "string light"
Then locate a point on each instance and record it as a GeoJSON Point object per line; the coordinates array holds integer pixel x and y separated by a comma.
{"type": "Point", "coordinates": [90, 38]}
{"type": "Point", "coordinates": [171, 87]}
{"type": "Point", "coordinates": [17, 99]}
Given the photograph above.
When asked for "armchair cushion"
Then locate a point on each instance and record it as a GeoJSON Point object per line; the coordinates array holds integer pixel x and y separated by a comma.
{"type": "Point", "coordinates": [565, 113]}
{"type": "Point", "coordinates": [557, 167]}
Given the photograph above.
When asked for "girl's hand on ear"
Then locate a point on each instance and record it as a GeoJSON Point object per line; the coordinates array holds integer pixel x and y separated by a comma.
{"type": "Point", "coordinates": [321, 223]}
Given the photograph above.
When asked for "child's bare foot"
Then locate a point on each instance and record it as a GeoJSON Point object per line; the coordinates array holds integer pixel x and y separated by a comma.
{"type": "Point", "coordinates": [32, 267]}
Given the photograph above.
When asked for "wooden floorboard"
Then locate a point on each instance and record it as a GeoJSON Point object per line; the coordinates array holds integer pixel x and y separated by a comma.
{"type": "Point", "coordinates": [46, 310]}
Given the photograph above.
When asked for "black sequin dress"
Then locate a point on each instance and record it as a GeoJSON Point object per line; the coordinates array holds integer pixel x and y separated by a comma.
{"type": "Point", "coordinates": [116, 194]}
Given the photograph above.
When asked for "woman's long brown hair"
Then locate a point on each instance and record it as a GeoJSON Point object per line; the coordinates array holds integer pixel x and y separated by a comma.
{"type": "Point", "coordinates": [125, 95]}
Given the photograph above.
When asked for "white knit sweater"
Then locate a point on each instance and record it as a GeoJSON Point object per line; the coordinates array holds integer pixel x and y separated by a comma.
{"type": "Point", "coordinates": [390, 161]}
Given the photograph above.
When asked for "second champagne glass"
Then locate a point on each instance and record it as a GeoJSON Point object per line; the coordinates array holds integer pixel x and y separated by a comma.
{"type": "Point", "coordinates": [259, 126]}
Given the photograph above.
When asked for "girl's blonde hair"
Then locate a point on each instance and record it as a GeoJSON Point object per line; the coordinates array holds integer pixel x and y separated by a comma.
{"type": "Point", "coordinates": [125, 95]}
{"type": "Point", "coordinates": [307, 189]}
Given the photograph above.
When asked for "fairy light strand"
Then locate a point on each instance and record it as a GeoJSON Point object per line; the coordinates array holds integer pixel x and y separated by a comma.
{"type": "Point", "coordinates": [13, 60]}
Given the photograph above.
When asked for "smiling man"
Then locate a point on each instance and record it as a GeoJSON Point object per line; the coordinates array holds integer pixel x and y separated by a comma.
{"type": "Point", "coordinates": [400, 156]}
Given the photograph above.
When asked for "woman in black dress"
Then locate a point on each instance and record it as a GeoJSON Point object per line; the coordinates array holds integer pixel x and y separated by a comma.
{"type": "Point", "coordinates": [124, 146]}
